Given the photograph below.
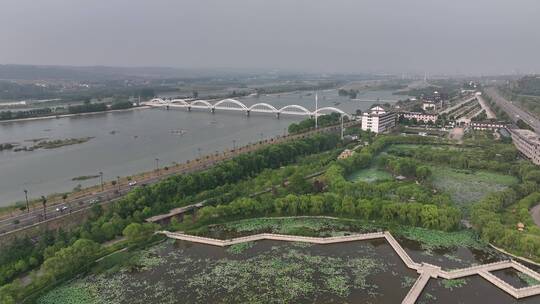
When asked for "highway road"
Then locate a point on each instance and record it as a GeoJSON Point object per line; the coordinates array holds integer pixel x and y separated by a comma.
{"type": "Point", "coordinates": [512, 110]}
{"type": "Point", "coordinates": [86, 202]}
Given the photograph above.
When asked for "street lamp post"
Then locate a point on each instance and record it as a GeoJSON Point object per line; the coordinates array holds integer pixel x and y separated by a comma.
{"type": "Point", "coordinates": [44, 203]}
{"type": "Point", "coordinates": [316, 109]}
{"type": "Point", "coordinates": [341, 126]}
{"type": "Point", "coordinates": [27, 205]}
{"type": "Point", "coordinates": [101, 179]}
{"type": "Point", "coordinates": [118, 182]}
{"type": "Point", "coordinates": [234, 144]}
{"type": "Point", "coordinates": [157, 165]}
{"type": "Point", "coordinates": [199, 152]}
{"type": "Point", "coordinates": [262, 137]}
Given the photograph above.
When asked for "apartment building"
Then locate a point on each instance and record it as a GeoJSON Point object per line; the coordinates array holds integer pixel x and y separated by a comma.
{"type": "Point", "coordinates": [527, 143]}
{"type": "Point", "coordinates": [378, 120]}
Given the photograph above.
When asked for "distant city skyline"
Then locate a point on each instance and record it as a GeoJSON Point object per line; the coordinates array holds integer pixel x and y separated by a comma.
{"type": "Point", "coordinates": [341, 36]}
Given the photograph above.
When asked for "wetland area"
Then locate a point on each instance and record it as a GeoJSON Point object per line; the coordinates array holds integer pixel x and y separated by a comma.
{"type": "Point", "coordinates": [290, 272]}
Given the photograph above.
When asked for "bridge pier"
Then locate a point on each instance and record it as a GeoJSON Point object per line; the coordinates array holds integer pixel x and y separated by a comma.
{"type": "Point", "coordinates": [213, 110]}
{"type": "Point", "coordinates": [189, 109]}
{"type": "Point", "coordinates": [247, 112]}
{"type": "Point", "coordinates": [277, 115]}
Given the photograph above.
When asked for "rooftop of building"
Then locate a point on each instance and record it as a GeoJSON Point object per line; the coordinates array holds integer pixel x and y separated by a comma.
{"type": "Point", "coordinates": [418, 113]}
{"type": "Point", "coordinates": [528, 135]}
{"type": "Point", "coordinates": [376, 111]}
{"type": "Point", "coordinates": [491, 122]}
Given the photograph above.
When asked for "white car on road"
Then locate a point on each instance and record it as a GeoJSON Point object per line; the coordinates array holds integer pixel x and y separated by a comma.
{"type": "Point", "coordinates": [61, 209]}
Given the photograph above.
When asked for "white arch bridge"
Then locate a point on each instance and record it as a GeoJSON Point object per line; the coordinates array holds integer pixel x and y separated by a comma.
{"type": "Point", "coordinates": [230, 104]}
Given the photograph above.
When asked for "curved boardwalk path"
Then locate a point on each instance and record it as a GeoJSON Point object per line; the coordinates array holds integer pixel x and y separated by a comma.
{"type": "Point", "coordinates": [426, 271]}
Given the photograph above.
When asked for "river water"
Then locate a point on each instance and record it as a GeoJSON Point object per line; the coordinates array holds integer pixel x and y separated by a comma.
{"type": "Point", "coordinates": [125, 143]}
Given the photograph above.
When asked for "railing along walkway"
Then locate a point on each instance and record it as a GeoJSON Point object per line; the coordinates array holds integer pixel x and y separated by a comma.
{"type": "Point", "coordinates": [425, 270]}
{"type": "Point", "coordinates": [416, 289]}
{"type": "Point", "coordinates": [275, 237]}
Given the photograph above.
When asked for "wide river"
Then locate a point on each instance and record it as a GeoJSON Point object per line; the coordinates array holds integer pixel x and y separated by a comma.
{"type": "Point", "coordinates": [125, 143]}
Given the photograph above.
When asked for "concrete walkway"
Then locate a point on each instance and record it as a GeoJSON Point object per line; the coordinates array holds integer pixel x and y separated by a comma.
{"type": "Point", "coordinates": [535, 213]}
{"type": "Point", "coordinates": [489, 113]}
{"type": "Point", "coordinates": [457, 134]}
{"type": "Point", "coordinates": [425, 270]}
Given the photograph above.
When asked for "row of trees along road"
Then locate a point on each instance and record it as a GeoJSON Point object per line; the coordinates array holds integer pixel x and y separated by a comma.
{"type": "Point", "coordinates": [108, 224]}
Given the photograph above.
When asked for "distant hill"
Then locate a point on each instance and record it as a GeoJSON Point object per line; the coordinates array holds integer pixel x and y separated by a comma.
{"type": "Point", "coordinates": [99, 73]}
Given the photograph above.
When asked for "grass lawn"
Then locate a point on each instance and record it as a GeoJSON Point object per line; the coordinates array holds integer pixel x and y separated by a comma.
{"type": "Point", "coordinates": [468, 186]}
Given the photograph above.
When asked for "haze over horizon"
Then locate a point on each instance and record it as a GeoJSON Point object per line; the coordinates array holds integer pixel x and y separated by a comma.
{"type": "Point", "coordinates": [345, 36]}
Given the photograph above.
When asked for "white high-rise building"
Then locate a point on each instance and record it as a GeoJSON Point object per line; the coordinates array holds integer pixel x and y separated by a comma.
{"type": "Point", "coordinates": [378, 120]}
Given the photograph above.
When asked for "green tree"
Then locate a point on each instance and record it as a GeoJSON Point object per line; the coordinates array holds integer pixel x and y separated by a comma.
{"type": "Point", "coordinates": [137, 233]}
{"type": "Point", "coordinates": [348, 207]}
{"type": "Point", "coordinates": [429, 216]}
{"type": "Point", "coordinates": [298, 184]}
{"type": "Point", "coordinates": [68, 260]}
{"type": "Point", "coordinates": [423, 172]}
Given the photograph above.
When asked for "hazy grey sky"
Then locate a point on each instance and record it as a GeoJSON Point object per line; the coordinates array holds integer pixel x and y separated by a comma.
{"type": "Point", "coordinates": [451, 36]}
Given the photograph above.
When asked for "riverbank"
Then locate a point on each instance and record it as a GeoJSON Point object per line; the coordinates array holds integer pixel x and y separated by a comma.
{"type": "Point", "coordinates": [109, 188]}
{"type": "Point", "coordinates": [70, 115]}
{"type": "Point", "coordinates": [225, 186]}
{"type": "Point", "coordinates": [519, 258]}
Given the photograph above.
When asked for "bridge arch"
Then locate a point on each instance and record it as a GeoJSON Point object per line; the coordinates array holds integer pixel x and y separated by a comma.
{"type": "Point", "coordinates": [231, 101]}
{"type": "Point", "coordinates": [201, 102]}
{"type": "Point", "coordinates": [331, 109]}
{"type": "Point", "coordinates": [263, 105]}
{"type": "Point", "coordinates": [159, 100]}
{"type": "Point", "coordinates": [297, 107]}
{"type": "Point", "coordinates": [180, 101]}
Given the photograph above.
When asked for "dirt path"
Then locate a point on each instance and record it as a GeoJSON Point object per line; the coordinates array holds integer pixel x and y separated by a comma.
{"type": "Point", "coordinates": [457, 134]}
{"type": "Point", "coordinates": [485, 107]}
{"type": "Point", "coordinates": [535, 213]}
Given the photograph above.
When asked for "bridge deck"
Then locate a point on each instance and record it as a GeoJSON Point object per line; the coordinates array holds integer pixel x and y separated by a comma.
{"type": "Point", "coordinates": [401, 252]}
{"type": "Point", "coordinates": [416, 289]}
{"type": "Point", "coordinates": [240, 107]}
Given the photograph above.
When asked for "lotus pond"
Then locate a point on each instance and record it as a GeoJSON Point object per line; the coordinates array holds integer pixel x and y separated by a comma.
{"type": "Point", "coordinates": [288, 272]}
{"type": "Point", "coordinates": [369, 175]}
